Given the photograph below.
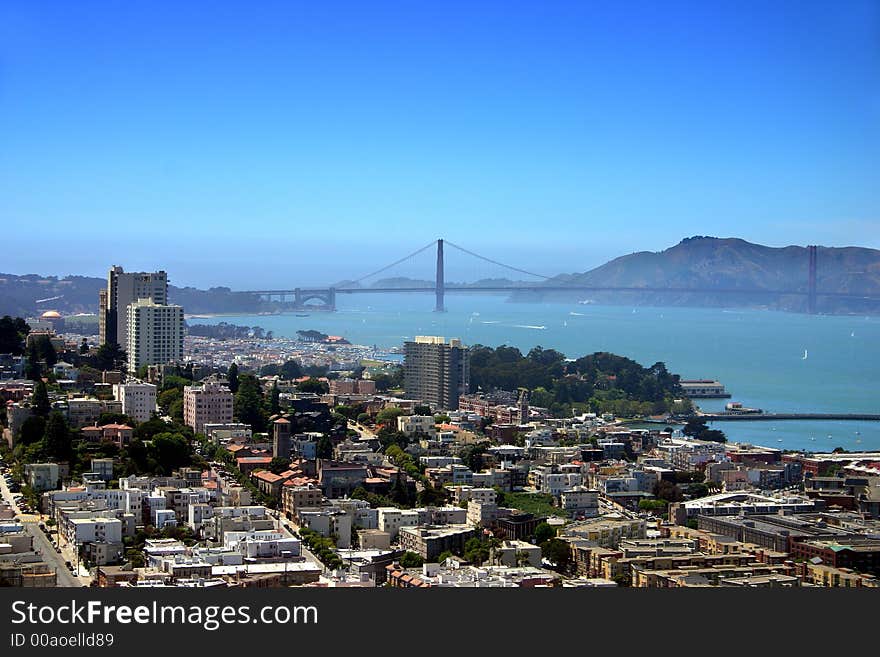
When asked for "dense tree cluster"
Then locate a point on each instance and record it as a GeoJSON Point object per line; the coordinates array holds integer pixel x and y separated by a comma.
{"type": "Point", "coordinates": [289, 370]}
{"type": "Point", "coordinates": [600, 382]}
{"type": "Point", "coordinates": [392, 380]}
{"type": "Point", "coordinates": [13, 333]}
{"type": "Point", "coordinates": [697, 428]}
{"type": "Point", "coordinates": [226, 331]}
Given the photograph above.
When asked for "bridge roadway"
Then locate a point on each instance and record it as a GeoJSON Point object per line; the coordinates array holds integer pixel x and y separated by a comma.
{"type": "Point", "coordinates": [552, 288]}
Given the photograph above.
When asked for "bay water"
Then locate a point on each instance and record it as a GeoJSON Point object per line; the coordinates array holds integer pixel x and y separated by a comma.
{"type": "Point", "coordinates": [780, 362]}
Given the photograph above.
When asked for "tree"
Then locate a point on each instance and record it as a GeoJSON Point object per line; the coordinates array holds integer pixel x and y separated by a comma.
{"type": "Point", "coordinates": [431, 496]}
{"type": "Point", "coordinates": [476, 550]}
{"type": "Point", "coordinates": [279, 464]}
{"type": "Point", "coordinates": [13, 333]}
{"type": "Point", "coordinates": [167, 397]}
{"type": "Point", "coordinates": [543, 533]}
{"type": "Point", "coordinates": [443, 556]}
{"type": "Point", "coordinates": [248, 402]}
{"type": "Point", "coordinates": [696, 428]}
{"type": "Point", "coordinates": [623, 579]}
{"type": "Point", "coordinates": [56, 439]}
{"type": "Point", "coordinates": [472, 456]}
{"type": "Point", "coordinates": [421, 410]}
{"type": "Point", "coordinates": [110, 356]}
{"type": "Point", "coordinates": [41, 404]}
{"type": "Point", "coordinates": [274, 399]}
{"type": "Point", "coordinates": [32, 369]}
{"type": "Point", "coordinates": [698, 490]}
{"type": "Point", "coordinates": [171, 450]}
{"type": "Point", "coordinates": [411, 560]}
{"type": "Point", "coordinates": [232, 377]}
{"type": "Point", "coordinates": [46, 351]}
{"type": "Point", "coordinates": [557, 552]}
{"type": "Point", "coordinates": [291, 370]}
{"type": "Point", "coordinates": [313, 385]}
{"type": "Point", "coordinates": [400, 491]}
{"type": "Point", "coordinates": [667, 491]}
{"type": "Point", "coordinates": [146, 430]}
{"type": "Point", "coordinates": [84, 347]}
{"type": "Point", "coordinates": [32, 430]}
{"type": "Point", "coordinates": [115, 418]}
{"type": "Point", "coordinates": [653, 506]}
{"type": "Point", "coordinates": [324, 447]}
{"type": "Point", "coordinates": [388, 416]}
{"type": "Point", "coordinates": [176, 410]}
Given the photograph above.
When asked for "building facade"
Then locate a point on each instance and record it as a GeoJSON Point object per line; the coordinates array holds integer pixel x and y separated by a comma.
{"type": "Point", "coordinates": [436, 371]}
{"type": "Point", "coordinates": [210, 403]}
{"type": "Point", "coordinates": [155, 334]}
{"type": "Point", "coordinates": [122, 290]}
{"type": "Point", "coordinates": [138, 399]}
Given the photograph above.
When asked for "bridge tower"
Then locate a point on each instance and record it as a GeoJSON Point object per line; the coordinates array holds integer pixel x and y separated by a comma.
{"type": "Point", "coordinates": [440, 281]}
{"type": "Point", "coordinates": [811, 289]}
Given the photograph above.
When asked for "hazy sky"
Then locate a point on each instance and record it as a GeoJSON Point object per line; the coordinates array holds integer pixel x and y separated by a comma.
{"type": "Point", "coordinates": [255, 144]}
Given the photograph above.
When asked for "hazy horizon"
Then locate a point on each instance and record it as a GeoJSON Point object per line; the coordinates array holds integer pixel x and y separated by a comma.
{"type": "Point", "coordinates": [261, 148]}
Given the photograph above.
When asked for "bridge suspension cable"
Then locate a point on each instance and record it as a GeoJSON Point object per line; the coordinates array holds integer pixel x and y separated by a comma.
{"type": "Point", "coordinates": [396, 262]}
{"type": "Point", "coordinates": [495, 262]}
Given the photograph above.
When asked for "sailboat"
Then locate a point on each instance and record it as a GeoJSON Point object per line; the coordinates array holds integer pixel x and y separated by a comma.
{"type": "Point", "coordinates": [805, 355]}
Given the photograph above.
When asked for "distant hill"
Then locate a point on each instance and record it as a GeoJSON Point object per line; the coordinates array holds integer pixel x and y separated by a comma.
{"type": "Point", "coordinates": [709, 263]}
{"type": "Point", "coordinates": [725, 263]}
{"type": "Point", "coordinates": [31, 294]}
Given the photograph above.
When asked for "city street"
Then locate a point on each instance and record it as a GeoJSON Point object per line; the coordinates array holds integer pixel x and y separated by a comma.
{"type": "Point", "coordinates": [42, 544]}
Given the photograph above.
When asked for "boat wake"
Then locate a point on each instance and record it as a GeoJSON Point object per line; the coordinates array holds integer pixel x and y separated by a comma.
{"type": "Point", "coordinates": [529, 326]}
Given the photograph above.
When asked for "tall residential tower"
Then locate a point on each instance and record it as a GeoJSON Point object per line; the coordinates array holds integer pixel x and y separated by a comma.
{"type": "Point", "coordinates": [155, 334]}
{"type": "Point", "coordinates": [435, 371]}
{"type": "Point", "coordinates": [124, 289]}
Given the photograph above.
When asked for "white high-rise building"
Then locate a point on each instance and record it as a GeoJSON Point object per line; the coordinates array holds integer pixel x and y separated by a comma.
{"type": "Point", "coordinates": [138, 399]}
{"type": "Point", "coordinates": [124, 289]}
{"type": "Point", "coordinates": [155, 334]}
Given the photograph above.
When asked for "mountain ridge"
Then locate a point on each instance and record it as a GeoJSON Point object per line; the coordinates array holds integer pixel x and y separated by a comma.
{"type": "Point", "coordinates": [712, 263]}
{"type": "Point", "coordinates": [708, 263]}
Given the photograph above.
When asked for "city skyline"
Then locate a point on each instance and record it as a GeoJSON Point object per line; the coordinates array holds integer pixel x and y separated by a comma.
{"type": "Point", "coordinates": [281, 137]}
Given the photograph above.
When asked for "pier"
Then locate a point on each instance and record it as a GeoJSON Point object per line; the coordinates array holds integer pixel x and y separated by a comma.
{"type": "Point", "coordinates": [724, 417]}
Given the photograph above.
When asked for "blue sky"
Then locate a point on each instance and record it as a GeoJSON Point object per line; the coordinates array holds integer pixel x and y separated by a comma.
{"type": "Point", "coordinates": [264, 144]}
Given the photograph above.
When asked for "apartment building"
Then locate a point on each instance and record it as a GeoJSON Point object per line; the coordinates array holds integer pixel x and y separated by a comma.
{"type": "Point", "coordinates": [122, 290]}
{"type": "Point", "coordinates": [138, 399]}
{"type": "Point", "coordinates": [155, 334]}
{"type": "Point", "coordinates": [435, 371]}
{"type": "Point", "coordinates": [209, 403]}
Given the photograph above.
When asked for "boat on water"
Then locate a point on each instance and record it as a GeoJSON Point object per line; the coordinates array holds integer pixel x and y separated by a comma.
{"type": "Point", "coordinates": [805, 355]}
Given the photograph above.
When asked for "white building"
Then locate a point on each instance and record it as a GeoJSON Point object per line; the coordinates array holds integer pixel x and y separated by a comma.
{"type": "Point", "coordinates": [41, 476]}
{"type": "Point", "coordinates": [580, 501]}
{"type": "Point", "coordinates": [463, 494]}
{"type": "Point", "coordinates": [210, 403]}
{"type": "Point", "coordinates": [124, 289]}
{"type": "Point", "coordinates": [138, 399]}
{"type": "Point", "coordinates": [155, 334]}
{"type": "Point", "coordinates": [262, 544]}
{"type": "Point", "coordinates": [78, 531]}
{"type": "Point", "coordinates": [416, 425]}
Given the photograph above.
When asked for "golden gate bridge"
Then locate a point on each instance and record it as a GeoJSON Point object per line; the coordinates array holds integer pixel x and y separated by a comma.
{"type": "Point", "coordinates": [302, 298]}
